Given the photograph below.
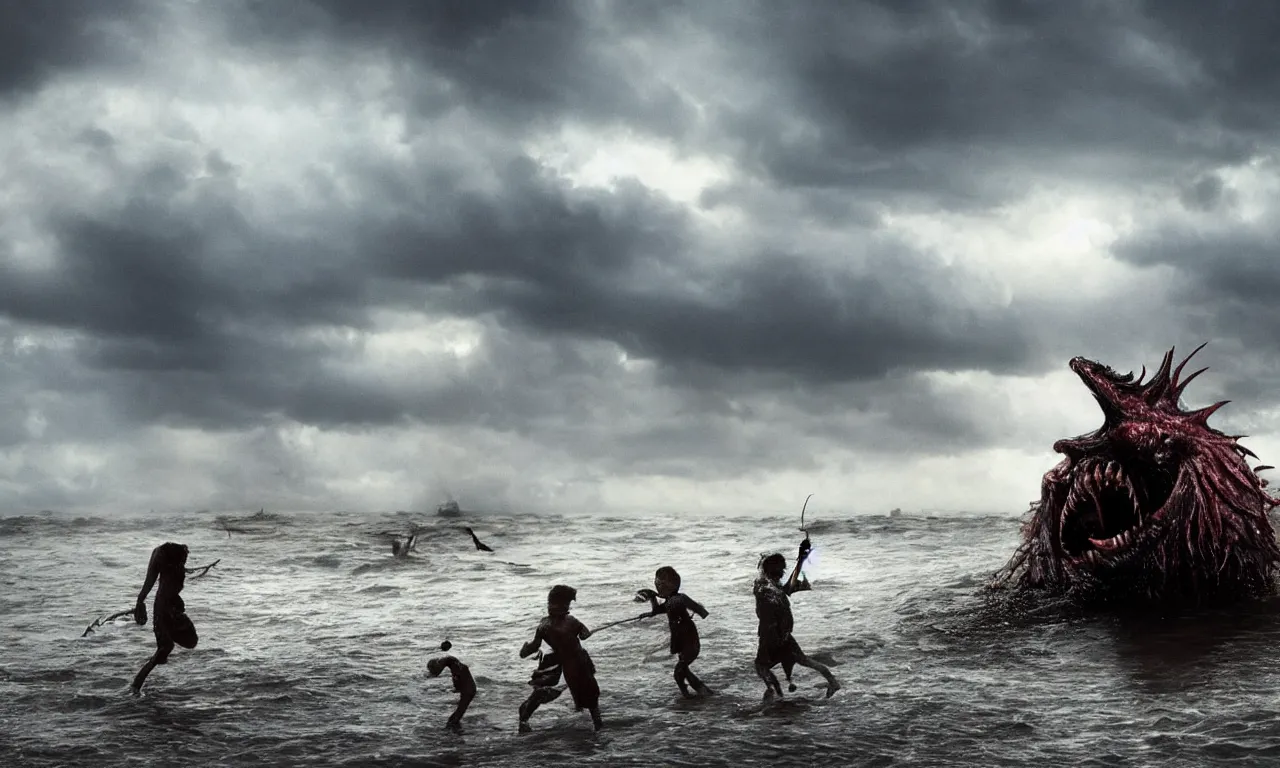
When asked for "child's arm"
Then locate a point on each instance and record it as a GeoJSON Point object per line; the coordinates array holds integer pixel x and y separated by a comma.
{"type": "Point", "coordinates": [531, 647]}
{"type": "Point", "coordinates": [583, 632]}
{"type": "Point", "coordinates": [695, 606]}
{"type": "Point", "coordinates": [793, 584]}
{"type": "Point", "coordinates": [153, 571]}
{"type": "Point", "coordinates": [653, 601]}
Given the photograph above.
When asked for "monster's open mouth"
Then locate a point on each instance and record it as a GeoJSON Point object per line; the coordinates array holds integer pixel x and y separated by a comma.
{"type": "Point", "coordinates": [1108, 509]}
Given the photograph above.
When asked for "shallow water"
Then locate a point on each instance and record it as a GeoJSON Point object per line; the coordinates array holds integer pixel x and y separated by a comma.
{"type": "Point", "coordinates": [314, 643]}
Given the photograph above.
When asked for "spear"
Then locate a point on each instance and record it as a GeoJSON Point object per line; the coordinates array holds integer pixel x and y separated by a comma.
{"type": "Point", "coordinates": [620, 621]}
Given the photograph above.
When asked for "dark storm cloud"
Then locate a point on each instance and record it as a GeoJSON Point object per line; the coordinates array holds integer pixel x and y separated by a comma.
{"type": "Point", "coordinates": [1224, 277]}
{"type": "Point", "coordinates": [185, 308]}
{"type": "Point", "coordinates": [1205, 194]}
{"type": "Point", "coordinates": [964, 104]}
{"type": "Point", "coordinates": [625, 267]}
{"type": "Point", "coordinates": [42, 38]}
{"type": "Point", "coordinates": [521, 63]}
{"type": "Point", "coordinates": [1225, 284]}
{"type": "Point", "coordinates": [930, 103]}
{"type": "Point", "coordinates": [1233, 44]}
{"type": "Point", "coordinates": [203, 315]}
{"type": "Point", "coordinates": [161, 282]}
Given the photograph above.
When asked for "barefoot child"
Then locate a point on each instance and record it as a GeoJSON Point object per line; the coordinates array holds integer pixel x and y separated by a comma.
{"type": "Point", "coordinates": [543, 680]}
{"type": "Point", "coordinates": [684, 633]}
{"type": "Point", "coordinates": [773, 607]}
{"type": "Point", "coordinates": [565, 634]}
{"type": "Point", "coordinates": [171, 624]}
{"type": "Point", "coordinates": [463, 684]}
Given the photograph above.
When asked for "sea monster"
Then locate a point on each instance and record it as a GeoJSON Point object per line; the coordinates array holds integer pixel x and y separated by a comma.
{"type": "Point", "coordinates": [1155, 508]}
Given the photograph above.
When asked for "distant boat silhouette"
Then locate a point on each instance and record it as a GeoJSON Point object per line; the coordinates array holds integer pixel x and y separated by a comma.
{"type": "Point", "coordinates": [449, 509]}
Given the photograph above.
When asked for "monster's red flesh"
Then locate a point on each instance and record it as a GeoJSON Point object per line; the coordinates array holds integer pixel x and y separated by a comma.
{"type": "Point", "coordinates": [1155, 505]}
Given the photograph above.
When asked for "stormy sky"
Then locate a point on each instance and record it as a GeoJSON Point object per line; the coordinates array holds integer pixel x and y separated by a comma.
{"type": "Point", "coordinates": [630, 256]}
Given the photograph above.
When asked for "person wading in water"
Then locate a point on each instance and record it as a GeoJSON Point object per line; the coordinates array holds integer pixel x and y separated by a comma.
{"type": "Point", "coordinates": [170, 623]}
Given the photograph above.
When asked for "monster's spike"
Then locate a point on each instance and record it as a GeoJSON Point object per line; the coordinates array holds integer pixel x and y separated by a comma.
{"type": "Point", "coordinates": [1160, 381]}
{"type": "Point", "coordinates": [1261, 467]}
{"type": "Point", "coordinates": [1182, 385]}
{"type": "Point", "coordinates": [1178, 371]}
{"type": "Point", "coordinates": [1203, 414]}
{"type": "Point", "coordinates": [1142, 375]}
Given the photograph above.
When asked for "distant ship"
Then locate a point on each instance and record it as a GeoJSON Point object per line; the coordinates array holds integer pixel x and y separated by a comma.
{"type": "Point", "coordinates": [449, 509]}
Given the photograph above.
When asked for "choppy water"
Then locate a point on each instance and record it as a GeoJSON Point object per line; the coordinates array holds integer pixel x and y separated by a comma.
{"type": "Point", "coordinates": [314, 644]}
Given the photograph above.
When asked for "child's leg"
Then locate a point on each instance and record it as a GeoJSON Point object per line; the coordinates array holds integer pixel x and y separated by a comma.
{"type": "Point", "coordinates": [693, 680]}
{"type": "Point", "coordinates": [464, 701]}
{"type": "Point", "coordinates": [689, 654]}
{"type": "Point", "coordinates": [681, 675]}
{"type": "Point", "coordinates": [771, 685]}
{"type": "Point", "coordinates": [541, 695]}
{"type": "Point", "coordinates": [595, 717]}
{"type": "Point", "coordinates": [164, 647]}
{"type": "Point", "coordinates": [764, 668]}
{"type": "Point", "coordinates": [685, 676]}
{"type": "Point", "coordinates": [833, 685]}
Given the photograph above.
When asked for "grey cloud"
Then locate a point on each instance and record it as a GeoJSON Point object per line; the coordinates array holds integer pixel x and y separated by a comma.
{"type": "Point", "coordinates": [40, 39]}
{"type": "Point", "coordinates": [912, 101]}
{"type": "Point", "coordinates": [523, 64]}
{"type": "Point", "coordinates": [1233, 47]}
{"type": "Point", "coordinates": [1206, 193]}
{"type": "Point", "coordinates": [915, 102]}
{"type": "Point", "coordinates": [1222, 285]}
{"type": "Point", "coordinates": [958, 106]}
{"type": "Point", "coordinates": [625, 267]}
{"type": "Point", "coordinates": [1222, 268]}
{"type": "Point", "coordinates": [178, 305]}
{"type": "Point", "coordinates": [188, 312]}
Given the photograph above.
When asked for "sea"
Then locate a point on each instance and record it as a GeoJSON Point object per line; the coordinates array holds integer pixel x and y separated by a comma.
{"type": "Point", "coordinates": [314, 643]}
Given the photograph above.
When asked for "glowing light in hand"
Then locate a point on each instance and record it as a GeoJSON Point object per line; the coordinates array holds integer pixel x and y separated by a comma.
{"type": "Point", "coordinates": [812, 560]}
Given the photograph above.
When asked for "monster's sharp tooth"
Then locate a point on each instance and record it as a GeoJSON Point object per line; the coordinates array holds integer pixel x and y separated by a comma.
{"type": "Point", "coordinates": [1097, 476]}
{"type": "Point", "coordinates": [1106, 545]}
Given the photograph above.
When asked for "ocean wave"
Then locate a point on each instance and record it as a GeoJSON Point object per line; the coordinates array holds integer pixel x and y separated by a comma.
{"type": "Point", "coordinates": [314, 642]}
